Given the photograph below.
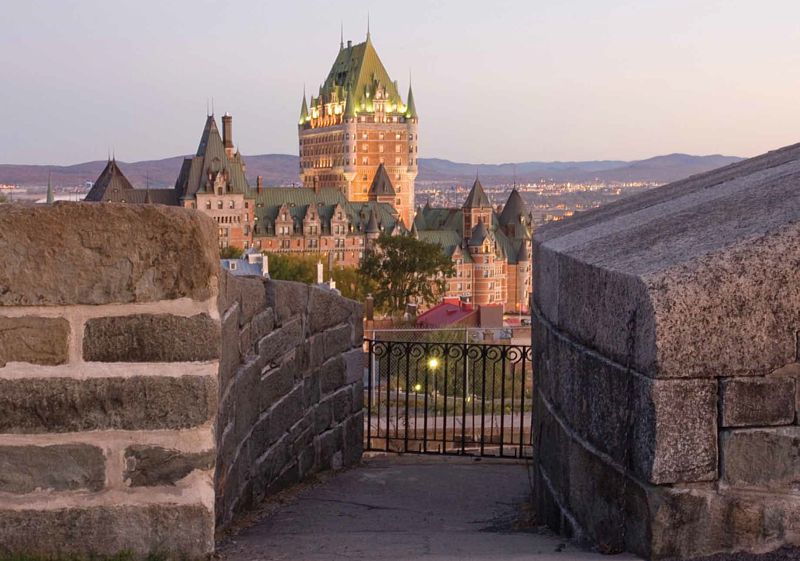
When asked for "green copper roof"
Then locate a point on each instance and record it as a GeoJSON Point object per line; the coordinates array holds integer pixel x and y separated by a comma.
{"type": "Point", "coordinates": [411, 110]}
{"type": "Point", "coordinates": [359, 70]}
{"type": "Point", "coordinates": [210, 160]}
{"type": "Point", "coordinates": [303, 110]}
{"type": "Point", "coordinates": [477, 197]}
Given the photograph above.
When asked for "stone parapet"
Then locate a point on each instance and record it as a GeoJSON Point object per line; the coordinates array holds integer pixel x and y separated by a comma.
{"type": "Point", "coordinates": [145, 398]}
{"type": "Point", "coordinates": [291, 389]}
{"type": "Point", "coordinates": [109, 345]}
{"type": "Point", "coordinates": [665, 349]}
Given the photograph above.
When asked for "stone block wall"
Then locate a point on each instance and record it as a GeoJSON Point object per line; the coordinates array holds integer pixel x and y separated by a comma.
{"type": "Point", "coordinates": [109, 346]}
{"type": "Point", "coordinates": [144, 398]}
{"type": "Point", "coordinates": [666, 364]}
{"type": "Point", "coordinates": [291, 388]}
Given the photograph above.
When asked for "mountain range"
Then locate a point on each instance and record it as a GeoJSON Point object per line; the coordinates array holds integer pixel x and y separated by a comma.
{"type": "Point", "coordinates": [282, 169]}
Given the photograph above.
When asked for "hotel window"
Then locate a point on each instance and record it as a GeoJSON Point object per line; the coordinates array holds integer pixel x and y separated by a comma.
{"type": "Point", "coordinates": [219, 204]}
{"type": "Point", "coordinates": [364, 147]}
{"type": "Point", "coordinates": [208, 205]}
{"type": "Point", "coordinates": [231, 204]}
{"type": "Point", "coordinates": [380, 148]}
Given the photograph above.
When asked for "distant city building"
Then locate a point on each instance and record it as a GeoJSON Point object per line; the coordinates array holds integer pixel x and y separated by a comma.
{"type": "Point", "coordinates": [252, 263]}
{"type": "Point", "coordinates": [358, 162]}
{"type": "Point", "coordinates": [491, 251]}
{"type": "Point", "coordinates": [357, 124]}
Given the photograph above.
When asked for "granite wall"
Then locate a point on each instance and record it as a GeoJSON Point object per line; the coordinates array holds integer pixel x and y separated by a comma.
{"type": "Point", "coordinates": [292, 389]}
{"type": "Point", "coordinates": [667, 369]}
{"type": "Point", "coordinates": [144, 398]}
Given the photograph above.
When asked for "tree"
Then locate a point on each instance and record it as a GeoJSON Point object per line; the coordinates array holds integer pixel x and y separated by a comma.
{"type": "Point", "coordinates": [230, 252]}
{"type": "Point", "coordinates": [303, 268]}
{"type": "Point", "coordinates": [401, 269]}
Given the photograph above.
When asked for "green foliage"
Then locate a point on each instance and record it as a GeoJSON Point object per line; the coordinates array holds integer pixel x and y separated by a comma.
{"type": "Point", "coordinates": [303, 268]}
{"type": "Point", "coordinates": [401, 269]}
{"type": "Point", "coordinates": [3, 199]}
{"type": "Point", "coordinates": [231, 252]}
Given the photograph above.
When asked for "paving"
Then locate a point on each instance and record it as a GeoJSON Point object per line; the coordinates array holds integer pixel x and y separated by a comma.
{"type": "Point", "coordinates": [407, 508]}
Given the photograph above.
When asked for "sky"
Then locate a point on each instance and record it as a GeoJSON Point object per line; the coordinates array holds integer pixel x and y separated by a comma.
{"type": "Point", "coordinates": [500, 81]}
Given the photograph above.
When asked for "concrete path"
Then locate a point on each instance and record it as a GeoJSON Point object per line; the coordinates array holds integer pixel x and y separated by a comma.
{"type": "Point", "coordinates": [407, 508]}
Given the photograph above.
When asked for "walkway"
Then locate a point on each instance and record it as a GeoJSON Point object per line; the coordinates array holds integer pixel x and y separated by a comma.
{"type": "Point", "coordinates": [407, 508]}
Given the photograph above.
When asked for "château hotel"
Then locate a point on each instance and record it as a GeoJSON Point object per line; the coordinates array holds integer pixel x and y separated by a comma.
{"type": "Point", "coordinates": [358, 145]}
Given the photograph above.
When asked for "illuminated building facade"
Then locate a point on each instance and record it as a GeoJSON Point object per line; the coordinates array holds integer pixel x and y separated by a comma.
{"type": "Point", "coordinates": [356, 124]}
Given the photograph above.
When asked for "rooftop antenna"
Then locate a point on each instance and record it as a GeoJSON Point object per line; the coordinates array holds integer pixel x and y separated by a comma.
{"type": "Point", "coordinates": [208, 114]}
{"type": "Point", "coordinates": [367, 25]}
{"type": "Point", "coordinates": [341, 35]}
{"type": "Point", "coordinates": [515, 176]}
{"type": "Point", "coordinates": [212, 106]}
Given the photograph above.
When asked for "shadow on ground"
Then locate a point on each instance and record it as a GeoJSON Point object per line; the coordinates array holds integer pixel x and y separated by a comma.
{"type": "Point", "coordinates": [406, 508]}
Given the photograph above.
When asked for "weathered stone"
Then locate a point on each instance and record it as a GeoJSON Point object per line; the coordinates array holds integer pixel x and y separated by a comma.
{"type": "Point", "coordinates": [332, 375]}
{"type": "Point", "coordinates": [276, 383]}
{"type": "Point", "coordinates": [263, 323]}
{"type": "Point", "coordinates": [35, 405]}
{"type": "Point", "coordinates": [287, 299]}
{"type": "Point", "coordinates": [357, 321]}
{"type": "Point", "coordinates": [63, 467]}
{"type": "Point", "coordinates": [358, 396]}
{"type": "Point", "coordinates": [102, 254]}
{"type": "Point", "coordinates": [599, 399]}
{"type": "Point", "coordinates": [337, 340]}
{"type": "Point", "coordinates": [762, 458]}
{"type": "Point", "coordinates": [342, 403]}
{"type": "Point", "coordinates": [230, 355]}
{"type": "Point", "coordinates": [281, 341]}
{"type": "Point", "coordinates": [251, 293]}
{"type": "Point", "coordinates": [286, 413]}
{"type": "Point", "coordinates": [151, 338]}
{"type": "Point", "coordinates": [173, 531]}
{"type": "Point", "coordinates": [311, 390]}
{"type": "Point", "coordinates": [316, 350]}
{"type": "Point", "coordinates": [749, 402]}
{"type": "Point", "coordinates": [328, 444]}
{"type": "Point", "coordinates": [36, 340]}
{"type": "Point", "coordinates": [149, 466]}
{"type": "Point", "coordinates": [323, 416]}
{"type": "Point", "coordinates": [355, 362]}
{"type": "Point", "coordinates": [327, 309]}
{"type": "Point", "coordinates": [353, 441]}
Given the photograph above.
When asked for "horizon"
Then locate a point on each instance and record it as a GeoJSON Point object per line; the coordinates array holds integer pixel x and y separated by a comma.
{"type": "Point", "coordinates": [102, 76]}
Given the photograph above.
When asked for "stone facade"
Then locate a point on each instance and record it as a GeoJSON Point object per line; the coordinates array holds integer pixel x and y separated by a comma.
{"type": "Point", "coordinates": [667, 369]}
{"type": "Point", "coordinates": [291, 389]}
{"type": "Point", "coordinates": [134, 377]}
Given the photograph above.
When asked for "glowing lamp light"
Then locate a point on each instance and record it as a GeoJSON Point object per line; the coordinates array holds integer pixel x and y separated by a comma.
{"type": "Point", "coordinates": [433, 363]}
{"type": "Point", "coordinates": [417, 387]}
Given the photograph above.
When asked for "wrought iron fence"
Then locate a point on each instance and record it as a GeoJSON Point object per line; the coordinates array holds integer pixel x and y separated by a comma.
{"type": "Point", "coordinates": [449, 397]}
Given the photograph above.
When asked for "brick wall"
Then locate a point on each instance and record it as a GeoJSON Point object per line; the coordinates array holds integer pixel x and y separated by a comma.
{"type": "Point", "coordinates": [144, 398]}
{"type": "Point", "coordinates": [291, 389]}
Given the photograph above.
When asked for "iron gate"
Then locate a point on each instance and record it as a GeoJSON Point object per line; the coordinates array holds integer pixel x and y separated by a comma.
{"type": "Point", "coordinates": [449, 398]}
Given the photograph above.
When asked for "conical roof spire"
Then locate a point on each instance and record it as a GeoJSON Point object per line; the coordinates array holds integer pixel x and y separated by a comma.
{"type": "Point", "coordinates": [350, 105]}
{"type": "Point", "coordinates": [372, 224]}
{"type": "Point", "coordinates": [50, 195]}
{"type": "Point", "coordinates": [414, 232]}
{"type": "Point", "coordinates": [303, 108]}
{"type": "Point", "coordinates": [411, 107]}
{"type": "Point", "coordinates": [477, 197]}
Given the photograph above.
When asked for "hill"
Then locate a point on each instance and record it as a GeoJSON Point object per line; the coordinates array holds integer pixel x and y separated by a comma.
{"type": "Point", "coordinates": [282, 169]}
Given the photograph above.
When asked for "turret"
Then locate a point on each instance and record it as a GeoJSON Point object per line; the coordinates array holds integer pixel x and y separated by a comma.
{"type": "Point", "coordinates": [303, 111]}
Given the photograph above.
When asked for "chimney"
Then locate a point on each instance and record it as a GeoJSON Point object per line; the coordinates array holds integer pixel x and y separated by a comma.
{"type": "Point", "coordinates": [227, 131]}
{"type": "Point", "coordinates": [259, 184]}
